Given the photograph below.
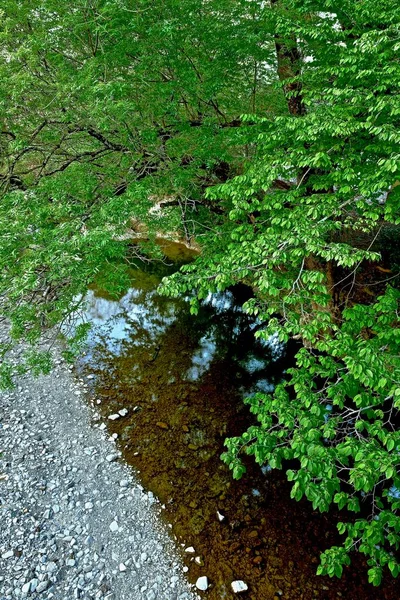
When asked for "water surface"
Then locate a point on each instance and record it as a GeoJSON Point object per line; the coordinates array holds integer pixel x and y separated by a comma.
{"type": "Point", "coordinates": [182, 380]}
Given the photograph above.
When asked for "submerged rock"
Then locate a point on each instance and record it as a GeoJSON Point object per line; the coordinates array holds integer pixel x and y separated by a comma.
{"type": "Point", "coordinates": [202, 583]}
{"type": "Point", "coordinates": [162, 425]}
{"type": "Point", "coordinates": [239, 586]}
{"type": "Point", "coordinates": [197, 522]}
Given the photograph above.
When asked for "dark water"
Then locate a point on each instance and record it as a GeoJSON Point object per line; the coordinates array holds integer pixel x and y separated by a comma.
{"type": "Point", "coordinates": [182, 380]}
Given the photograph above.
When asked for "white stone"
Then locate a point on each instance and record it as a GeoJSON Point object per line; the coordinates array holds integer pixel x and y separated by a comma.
{"type": "Point", "coordinates": [202, 583]}
{"type": "Point", "coordinates": [43, 585]}
{"type": "Point", "coordinates": [112, 457]}
{"type": "Point", "coordinates": [122, 567]}
{"type": "Point", "coordinates": [114, 526]}
{"type": "Point", "coordinates": [26, 588]}
{"type": "Point", "coordinates": [114, 417]}
{"type": "Point", "coordinates": [190, 550]}
{"type": "Point", "coordinates": [8, 554]}
{"type": "Point", "coordinates": [197, 560]}
{"type": "Point", "coordinates": [239, 586]}
{"type": "Point", "coordinates": [123, 412]}
{"type": "Point", "coordinates": [220, 517]}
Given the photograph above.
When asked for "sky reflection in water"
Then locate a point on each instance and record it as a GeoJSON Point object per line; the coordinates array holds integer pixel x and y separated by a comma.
{"type": "Point", "coordinates": [141, 317]}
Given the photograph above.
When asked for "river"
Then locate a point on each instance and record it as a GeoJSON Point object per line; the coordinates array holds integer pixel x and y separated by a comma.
{"type": "Point", "coordinates": [182, 380]}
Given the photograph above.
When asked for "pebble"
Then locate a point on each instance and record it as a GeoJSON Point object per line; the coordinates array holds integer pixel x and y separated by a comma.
{"type": "Point", "coordinates": [43, 585]}
{"type": "Point", "coordinates": [114, 417]}
{"type": "Point", "coordinates": [112, 457]}
{"type": "Point", "coordinates": [239, 586]}
{"type": "Point", "coordinates": [26, 588]}
{"type": "Point", "coordinates": [202, 583]}
{"type": "Point", "coordinates": [162, 425]}
{"type": "Point", "coordinates": [34, 584]}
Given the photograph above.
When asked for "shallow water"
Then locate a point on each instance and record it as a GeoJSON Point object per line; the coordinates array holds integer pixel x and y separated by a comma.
{"type": "Point", "coordinates": [182, 380]}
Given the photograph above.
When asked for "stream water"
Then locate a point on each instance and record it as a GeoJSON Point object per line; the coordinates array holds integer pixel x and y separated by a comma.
{"type": "Point", "coordinates": [182, 380]}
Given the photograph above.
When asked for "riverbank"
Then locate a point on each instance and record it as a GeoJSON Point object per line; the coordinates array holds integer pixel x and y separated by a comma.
{"type": "Point", "coordinates": [75, 523]}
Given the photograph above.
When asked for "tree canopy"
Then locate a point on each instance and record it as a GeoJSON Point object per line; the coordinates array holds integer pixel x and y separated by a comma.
{"type": "Point", "coordinates": [269, 133]}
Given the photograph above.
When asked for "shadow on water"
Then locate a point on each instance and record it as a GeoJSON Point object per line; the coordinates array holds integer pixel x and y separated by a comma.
{"type": "Point", "coordinates": [182, 380]}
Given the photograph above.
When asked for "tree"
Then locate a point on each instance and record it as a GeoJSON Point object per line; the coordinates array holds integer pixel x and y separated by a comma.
{"type": "Point", "coordinates": [105, 109]}
{"type": "Point", "coordinates": [269, 131]}
{"type": "Point", "coordinates": [311, 214]}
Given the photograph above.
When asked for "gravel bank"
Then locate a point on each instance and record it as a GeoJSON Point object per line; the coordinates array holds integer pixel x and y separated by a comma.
{"type": "Point", "coordinates": [74, 522]}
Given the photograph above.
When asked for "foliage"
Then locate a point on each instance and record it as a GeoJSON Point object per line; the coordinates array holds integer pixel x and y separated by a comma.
{"type": "Point", "coordinates": [106, 109]}
{"type": "Point", "coordinates": [268, 131]}
{"type": "Point", "coordinates": [336, 417]}
{"type": "Point", "coordinates": [308, 216]}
